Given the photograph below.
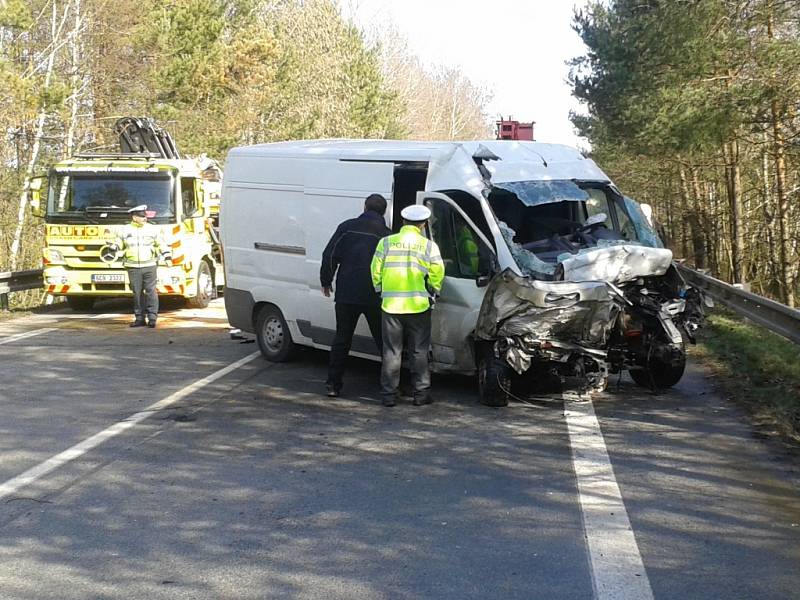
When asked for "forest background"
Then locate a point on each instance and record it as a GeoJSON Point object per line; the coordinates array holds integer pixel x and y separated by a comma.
{"type": "Point", "coordinates": [693, 108]}
{"type": "Point", "coordinates": [692, 105]}
{"type": "Point", "coordinates": [215, 73]}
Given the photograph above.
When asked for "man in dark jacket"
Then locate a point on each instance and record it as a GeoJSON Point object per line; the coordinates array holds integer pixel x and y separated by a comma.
{"type": "Point", "coordinates": [348, 255]}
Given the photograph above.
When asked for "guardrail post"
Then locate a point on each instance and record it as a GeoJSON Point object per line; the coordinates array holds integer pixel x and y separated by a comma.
{"type": "Point", "coordinates": [4, 302]}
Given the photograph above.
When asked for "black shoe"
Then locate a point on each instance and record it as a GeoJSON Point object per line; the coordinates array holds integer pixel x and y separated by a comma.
{"type": "Point", "coordinates": [331, 390]}
{"type": "Point", "coordinates": [406, 394]}
{"type": "Point", "coordinates": [138, 324]}
{"type": "Point", "coordinates": [388, 401]}
{"type": "Point", "coordinates": [422, 400]}
{"type": "Point", "coordinates": [151, 324]}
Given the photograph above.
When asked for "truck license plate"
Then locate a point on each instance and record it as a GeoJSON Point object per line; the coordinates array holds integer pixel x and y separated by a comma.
{"type": "Point", "coordinates": [109, 278]}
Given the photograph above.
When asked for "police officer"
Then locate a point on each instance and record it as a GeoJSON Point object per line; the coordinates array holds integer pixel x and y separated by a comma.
{"type": "Point", "coordinates": [407, 270]}
{"type": "Point", "coordinates": [143, 247]}
{"type": "Point", "coordinates": [348, 256]}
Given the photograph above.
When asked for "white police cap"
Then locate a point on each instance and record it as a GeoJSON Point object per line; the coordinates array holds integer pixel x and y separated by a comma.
{"type": "Point", "coordinates": [140, 208]}
{"type": "Point", "coordinates": [416, 212]}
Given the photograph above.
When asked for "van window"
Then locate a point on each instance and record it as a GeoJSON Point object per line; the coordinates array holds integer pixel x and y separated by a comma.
{"type": "Point", "coordinates": [188, 199]}
{"type": "Point", "coordinates": [472, 208]}
{"type": "Point", "coordinates": [597, 203]}
{"type": "Point", "coordinates": [626, 227]}
{"type": "Point", "coordinates": [464, 254]}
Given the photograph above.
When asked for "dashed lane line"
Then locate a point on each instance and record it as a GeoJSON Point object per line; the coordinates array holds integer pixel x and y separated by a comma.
{"type": "Point", "coordinates": [618, 571]}
{"type": "Point", "coordinates": [27, 334]}
{"type": "Point", "coordinates": [51, 464]}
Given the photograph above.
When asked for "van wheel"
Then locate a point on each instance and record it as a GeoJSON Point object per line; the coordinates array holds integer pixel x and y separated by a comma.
{"type": "Point", "coordinates": [205, 287]}
{"type": "Point", "coordinates": [660, 373]}
{"type": "Point", "coordinates": [80, 303]}
{"type": "Point", "coordinates": [273, 335]}
{"type": "Point", "coordinates": [494, 380]}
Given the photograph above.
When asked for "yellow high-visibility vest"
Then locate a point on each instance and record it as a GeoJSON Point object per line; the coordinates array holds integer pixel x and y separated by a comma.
{"type": "Point", "coordinates": [142, 245]}
{"type": "Point", "coordinates": [406, 270]}
{"type": "Point", "coordinates": [468, 255]}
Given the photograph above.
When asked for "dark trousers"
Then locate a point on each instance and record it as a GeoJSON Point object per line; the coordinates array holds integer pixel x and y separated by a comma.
{"type": "Point", "coordinates": [143, 284]}
{"type": "Point", "coordinates": [416, 330]}
{"type": "Point", "coordinates": [347, 316]}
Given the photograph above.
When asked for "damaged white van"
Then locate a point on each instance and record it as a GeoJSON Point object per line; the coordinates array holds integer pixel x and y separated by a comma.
{"type": "Point", "coordinates": [551, 274]}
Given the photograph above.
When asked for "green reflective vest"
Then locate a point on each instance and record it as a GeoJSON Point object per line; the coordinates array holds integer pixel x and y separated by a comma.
{"type": "Point", "coordinates": [468, 257]}
{"type": "Point", "coordinates": [406, 270]}
{"type": "Point", "coordinates": [142, 245]}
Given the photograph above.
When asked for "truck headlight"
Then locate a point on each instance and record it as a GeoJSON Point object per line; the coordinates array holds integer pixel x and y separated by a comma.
{"type": "Point", "coordinates": [53, 256]}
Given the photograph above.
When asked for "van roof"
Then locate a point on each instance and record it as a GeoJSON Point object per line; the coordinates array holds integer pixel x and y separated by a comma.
{"type": "Point", "coordinates": [407, 150]}
{"type": "Point", "coordinates": [450, 163]}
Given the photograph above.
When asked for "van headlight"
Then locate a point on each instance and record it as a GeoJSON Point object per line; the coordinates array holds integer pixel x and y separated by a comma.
{"type": "Point", "coordinates": [53, 256]}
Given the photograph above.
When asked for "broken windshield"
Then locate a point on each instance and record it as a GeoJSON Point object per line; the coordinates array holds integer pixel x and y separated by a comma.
{"type": "Point", "coordinates": [533, 193]}
{"type": "Point", "coordinates": [544, 222]}
{"type": "Point", "coordinates": [108, 197]}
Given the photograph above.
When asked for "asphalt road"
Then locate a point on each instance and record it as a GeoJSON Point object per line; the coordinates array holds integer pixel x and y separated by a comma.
{"type": "Point", "coordinates": [251, 484]}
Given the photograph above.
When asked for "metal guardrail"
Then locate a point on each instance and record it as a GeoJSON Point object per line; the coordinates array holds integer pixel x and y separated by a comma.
{"type": "Point", "coordinates": [775, 316]}
{"type": "Point", "coordinates": [18, 281]}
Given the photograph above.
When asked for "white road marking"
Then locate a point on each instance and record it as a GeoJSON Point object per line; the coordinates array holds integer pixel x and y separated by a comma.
{"type": "Point", "coordinates": [56, 317]}
{"type": "Point", "coordinates": [617, 569]}
{"type": "Point", "coordinates": [13, 485]}
{"type": "Point", "coordinates": [27, 334]}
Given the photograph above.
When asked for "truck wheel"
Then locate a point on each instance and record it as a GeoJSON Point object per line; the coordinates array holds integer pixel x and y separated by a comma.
{"type": "Point", "coordinates": [205, 287]}
{"type": "Point", "coordinates": [494, 380]}
{"type": "Point", "coordinates": [660, 374]}
{"type": "Point", "coordinates": [274, 338]}
{"type": "Point", "coordinates": [80, 303]}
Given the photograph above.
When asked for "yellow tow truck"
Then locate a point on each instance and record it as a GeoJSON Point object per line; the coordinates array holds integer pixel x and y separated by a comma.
{"type": "Point", "coordinates": [87, 201]}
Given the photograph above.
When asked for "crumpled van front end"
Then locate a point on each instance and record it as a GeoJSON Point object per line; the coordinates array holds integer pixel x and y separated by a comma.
{"type": "Point", "coordinates": [582, 285]}
{"type": "Point", "coordinates": [547, 327]}
{"type": "Point", "coordinates": [598, 292]}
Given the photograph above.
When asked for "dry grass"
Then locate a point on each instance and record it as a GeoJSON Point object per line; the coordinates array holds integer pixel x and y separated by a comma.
{"type": "Point", "coordinates": [757, 368]}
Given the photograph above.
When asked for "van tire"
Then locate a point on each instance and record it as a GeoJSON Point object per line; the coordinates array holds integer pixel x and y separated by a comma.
{"type": "Point", "coordinates": [274, 338]}
{"type": "Point", "coordinates": [80, 303]}
{"type": "Point", "coordinates": [205, 287]}
{"type": "Point", "coordinates": [494, 379]}
{"type": "Point", "coordinates": [659, 374]}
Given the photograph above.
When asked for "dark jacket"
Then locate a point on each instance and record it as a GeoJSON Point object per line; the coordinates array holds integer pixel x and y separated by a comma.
{"type": "Point", "coordinates": [350, 251]}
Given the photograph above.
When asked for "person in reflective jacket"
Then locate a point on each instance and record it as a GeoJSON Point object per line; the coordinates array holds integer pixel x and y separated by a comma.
{"type": "Point", "coordinates": [142, 247]}
{"type": "Point", "coordinates": [407, 271]}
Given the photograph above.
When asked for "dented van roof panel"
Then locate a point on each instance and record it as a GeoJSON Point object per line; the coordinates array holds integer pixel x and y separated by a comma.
{"type": "Point", "coordinates": [451, 165]}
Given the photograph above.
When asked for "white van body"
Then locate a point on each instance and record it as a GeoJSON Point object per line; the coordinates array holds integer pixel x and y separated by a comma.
{"type": "Point", "coordinates": [283, 201]}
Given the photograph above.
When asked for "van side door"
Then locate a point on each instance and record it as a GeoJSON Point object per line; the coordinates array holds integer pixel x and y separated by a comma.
{"type": "Point", "coordinates": [335, 191]}
{"type": "Point", "coordinates": [469, 261]}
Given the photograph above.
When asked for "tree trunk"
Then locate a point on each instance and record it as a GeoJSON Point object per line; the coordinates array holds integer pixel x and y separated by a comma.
{"type": "Point", "coordinates": [734, 181]}
{"type": "Point", "coordinates": [74, 81]}
{"type": "Point", "coordinates": [787, 272]}
{"type": "Point", "coordinates": [698, 237]}
{"type": "Point", "coordinates": [773, 266]}
{"type": "Point", "coordinates": [55, 30]}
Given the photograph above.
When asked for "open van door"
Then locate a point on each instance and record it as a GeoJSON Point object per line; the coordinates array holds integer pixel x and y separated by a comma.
{"type": "Point", "coordinates": [469, 262]}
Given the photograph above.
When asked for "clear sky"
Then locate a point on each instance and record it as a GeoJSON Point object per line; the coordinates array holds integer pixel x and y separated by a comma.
{"type": "Point", "coordinates": [515, 48]}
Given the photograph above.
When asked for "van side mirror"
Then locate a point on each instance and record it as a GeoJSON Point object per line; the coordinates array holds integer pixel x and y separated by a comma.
{"type": "Point", "coordinates": [35, 189]}
{"type": "Point", "coordinates": [483, 280]}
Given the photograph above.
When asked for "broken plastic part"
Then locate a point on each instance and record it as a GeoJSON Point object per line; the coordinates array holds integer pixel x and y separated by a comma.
{"type": "Point", "coordinates": [615, 262]}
